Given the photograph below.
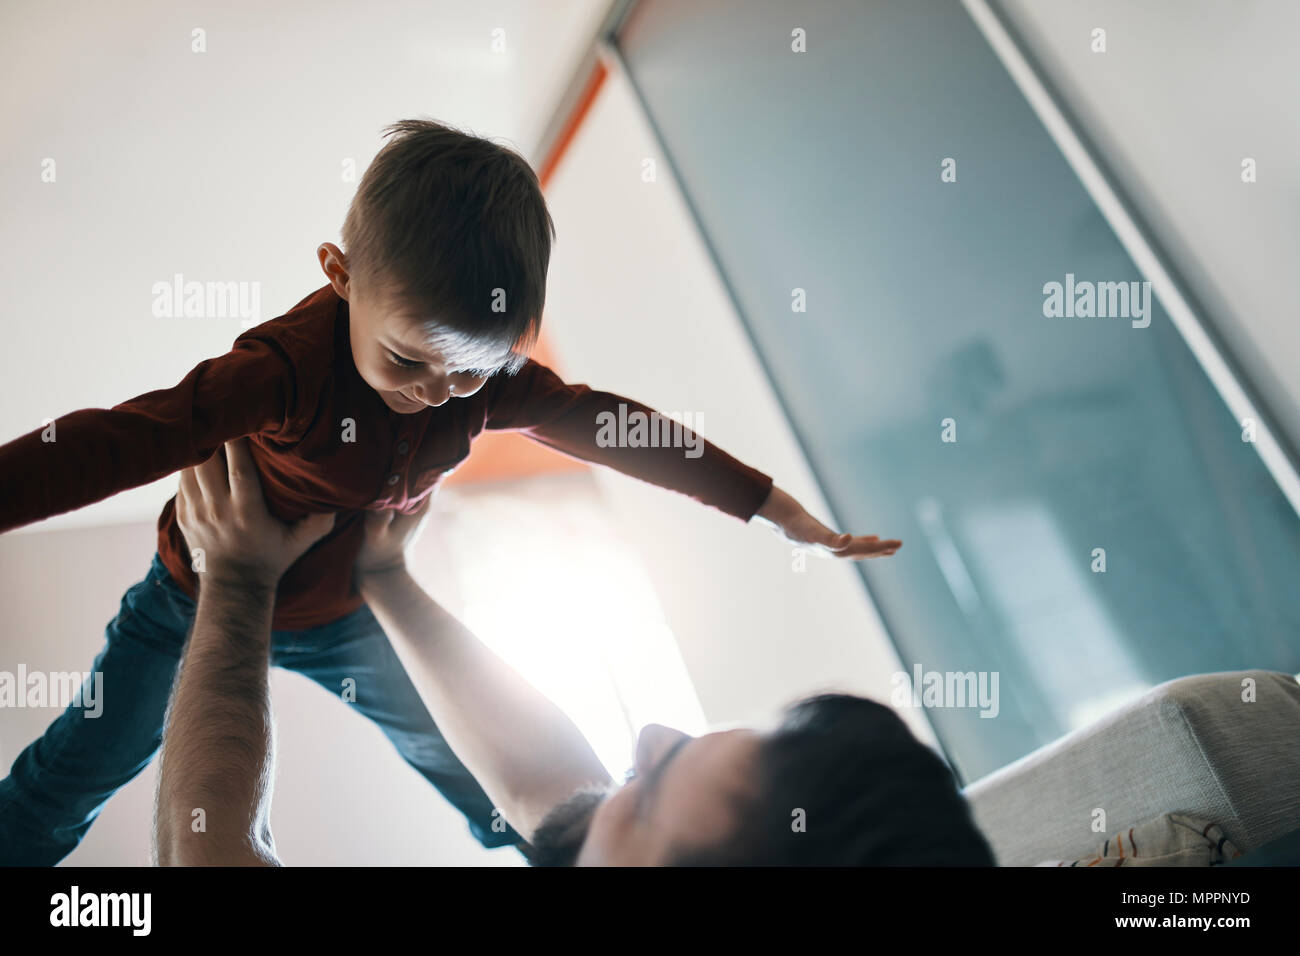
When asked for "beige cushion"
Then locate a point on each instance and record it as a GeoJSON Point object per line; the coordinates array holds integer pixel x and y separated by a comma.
{"type": "Point", "coordinates": [1191, 745]}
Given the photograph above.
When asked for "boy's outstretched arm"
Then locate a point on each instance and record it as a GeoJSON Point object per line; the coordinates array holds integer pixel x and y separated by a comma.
{"type": "Point", "coordinates": [94, 453]}
{"type": "Point", "coordinates": [610, 430]}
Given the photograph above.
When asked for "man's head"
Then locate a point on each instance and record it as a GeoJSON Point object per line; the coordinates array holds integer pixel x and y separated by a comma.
{"type": "Point", "coordinates": [841, 782]}
{"type": "Point", "coordinates": [447, 242]}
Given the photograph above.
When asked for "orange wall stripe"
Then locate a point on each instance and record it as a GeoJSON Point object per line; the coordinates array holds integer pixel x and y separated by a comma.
{"type": "Point", "coordinates": [594, 82]}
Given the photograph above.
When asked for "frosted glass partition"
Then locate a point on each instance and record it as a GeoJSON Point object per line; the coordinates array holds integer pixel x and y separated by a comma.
{"type": "Point", "coordinates": [1081, 516]}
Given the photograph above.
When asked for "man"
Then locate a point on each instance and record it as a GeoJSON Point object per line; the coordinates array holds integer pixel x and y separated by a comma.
{"type": "Point", "coordinates": [841, 781]}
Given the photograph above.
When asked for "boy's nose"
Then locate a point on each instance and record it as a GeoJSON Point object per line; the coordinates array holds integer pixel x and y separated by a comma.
{"type": "Point", "coordinates": [435, 393]}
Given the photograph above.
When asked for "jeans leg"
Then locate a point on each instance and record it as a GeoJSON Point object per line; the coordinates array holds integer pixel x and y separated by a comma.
{"type": "Point", "coordinates": [356, 647]}
{"type": "Point", "coordinates": [60, 782]}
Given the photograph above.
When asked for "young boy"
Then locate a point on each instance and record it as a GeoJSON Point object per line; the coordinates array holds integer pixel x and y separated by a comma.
{"type": "Point", "coordinates": [364, 396]}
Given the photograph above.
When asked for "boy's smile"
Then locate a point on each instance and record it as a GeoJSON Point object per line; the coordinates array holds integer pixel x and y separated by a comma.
{"type": "Point", "coordinates": [395, 353]}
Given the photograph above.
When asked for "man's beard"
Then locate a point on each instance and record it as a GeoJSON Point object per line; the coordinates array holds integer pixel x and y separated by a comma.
{"type": "Point", "coordinates": [560, 835]}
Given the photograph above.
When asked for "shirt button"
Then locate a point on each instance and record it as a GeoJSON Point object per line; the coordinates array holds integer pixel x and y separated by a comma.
{"type": "Point", "coordinates": [403, 447]}
{"type": "Point", "coordinates": [394, 479]}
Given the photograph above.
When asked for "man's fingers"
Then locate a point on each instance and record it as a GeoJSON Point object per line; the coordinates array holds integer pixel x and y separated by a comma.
{"type": "Point", "coordinates": [242, 473]}
{"type": "Point", "coordinates": [385, 527]}
{"type": "Point", "coordinates": [182, 506]}
{"type": "Point", "coordinates": [212, 480]}
{"type": "Point", "coordinates": [188, 493]}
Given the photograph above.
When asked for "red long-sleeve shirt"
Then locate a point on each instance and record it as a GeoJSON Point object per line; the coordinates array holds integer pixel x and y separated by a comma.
{"type": "Point", "coordinates": [324, 441]}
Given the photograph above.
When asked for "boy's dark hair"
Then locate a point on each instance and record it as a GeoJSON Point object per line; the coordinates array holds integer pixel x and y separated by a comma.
{"type": "Point", "coordinates": [455, 226]}
{"type": "Point", "coordinates": [870, 793]}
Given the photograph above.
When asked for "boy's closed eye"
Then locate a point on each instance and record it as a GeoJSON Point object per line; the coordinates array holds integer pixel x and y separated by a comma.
{"type": "Point", "coordinates": [403, 362]}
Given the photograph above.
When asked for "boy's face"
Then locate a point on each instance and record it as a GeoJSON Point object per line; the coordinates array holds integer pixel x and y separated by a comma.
{"type": "Point", "coordinates": [391, 351]}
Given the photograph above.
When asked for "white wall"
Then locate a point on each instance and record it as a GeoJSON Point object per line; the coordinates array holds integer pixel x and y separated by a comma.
{"type": "Point", "coordinates": [1185, 90]}
{"type": "Point", "coordinates": [635, 307]}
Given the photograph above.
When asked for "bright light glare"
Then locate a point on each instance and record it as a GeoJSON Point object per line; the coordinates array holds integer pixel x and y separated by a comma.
{"type": "Point", "coordinates": [547, 585]}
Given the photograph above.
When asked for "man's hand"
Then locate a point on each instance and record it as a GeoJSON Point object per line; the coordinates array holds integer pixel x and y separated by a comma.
{"type": "Point", "coordinates": [789, 519]}
{"type": "Point", "coordinates": [220, 509]}
{"type": "Point", "coordinates": [388, 535]}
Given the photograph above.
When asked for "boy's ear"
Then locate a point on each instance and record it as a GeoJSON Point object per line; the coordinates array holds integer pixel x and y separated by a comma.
{"type": "Point", "coordinates": [334, 264]}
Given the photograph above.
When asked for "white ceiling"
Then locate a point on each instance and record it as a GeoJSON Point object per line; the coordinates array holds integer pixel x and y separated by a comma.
{"type": "Point", "coordinates": [222, 166]}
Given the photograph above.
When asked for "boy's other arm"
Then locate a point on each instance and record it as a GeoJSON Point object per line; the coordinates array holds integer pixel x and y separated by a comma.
{"type": "Point", "coordinates": [593, 425]}
{"type": "Point", "coordinates": [91, 454]}
{"type": "Point", "coordinates": [580, 421]}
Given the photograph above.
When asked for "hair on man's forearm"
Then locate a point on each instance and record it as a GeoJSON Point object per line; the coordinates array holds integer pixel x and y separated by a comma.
{"type": "Point", "coordinates": [217, 763]}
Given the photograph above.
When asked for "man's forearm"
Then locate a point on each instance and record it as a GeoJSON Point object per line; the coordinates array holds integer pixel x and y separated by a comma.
{"type": "Point", "coordinates": [216, 771]}
{"type": "Point", "coordinates": [525, 753]}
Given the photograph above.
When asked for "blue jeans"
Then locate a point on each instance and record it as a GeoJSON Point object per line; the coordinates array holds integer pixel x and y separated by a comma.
{"type": "Point", "coordinates": [58, 785]}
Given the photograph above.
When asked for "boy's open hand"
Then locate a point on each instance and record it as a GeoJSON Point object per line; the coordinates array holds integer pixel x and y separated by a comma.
{"type": "Point", "coordinates": [220, 509]}
{"type": "Point", "coordinates": [789, 519]}
{"type": "Point", "coordinates": [388, 535]}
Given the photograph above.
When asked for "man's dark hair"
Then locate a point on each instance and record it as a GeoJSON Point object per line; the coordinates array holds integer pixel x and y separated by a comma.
{"type": "Point", "coordinates": [843, 782]}
{"type": "Point", "coordinates": [867, 792]}
{"type": "Point", "coordinates": [456, 227]}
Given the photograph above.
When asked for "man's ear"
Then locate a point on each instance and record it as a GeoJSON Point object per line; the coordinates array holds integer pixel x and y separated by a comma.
{"type": "Point", "coordinates": [334, 264]}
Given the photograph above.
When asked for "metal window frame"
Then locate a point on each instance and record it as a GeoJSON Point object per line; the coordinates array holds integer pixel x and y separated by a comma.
{"type": "Point", "coordinates": [1139, 241]}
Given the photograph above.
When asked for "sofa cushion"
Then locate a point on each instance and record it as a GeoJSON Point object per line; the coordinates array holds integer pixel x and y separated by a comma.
{"type": "Point", "coordinates": [1221, 747]}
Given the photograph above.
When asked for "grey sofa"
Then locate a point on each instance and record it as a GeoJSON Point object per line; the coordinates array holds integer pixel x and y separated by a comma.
{"type": "Point", "coordinates": [1191, 745]}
